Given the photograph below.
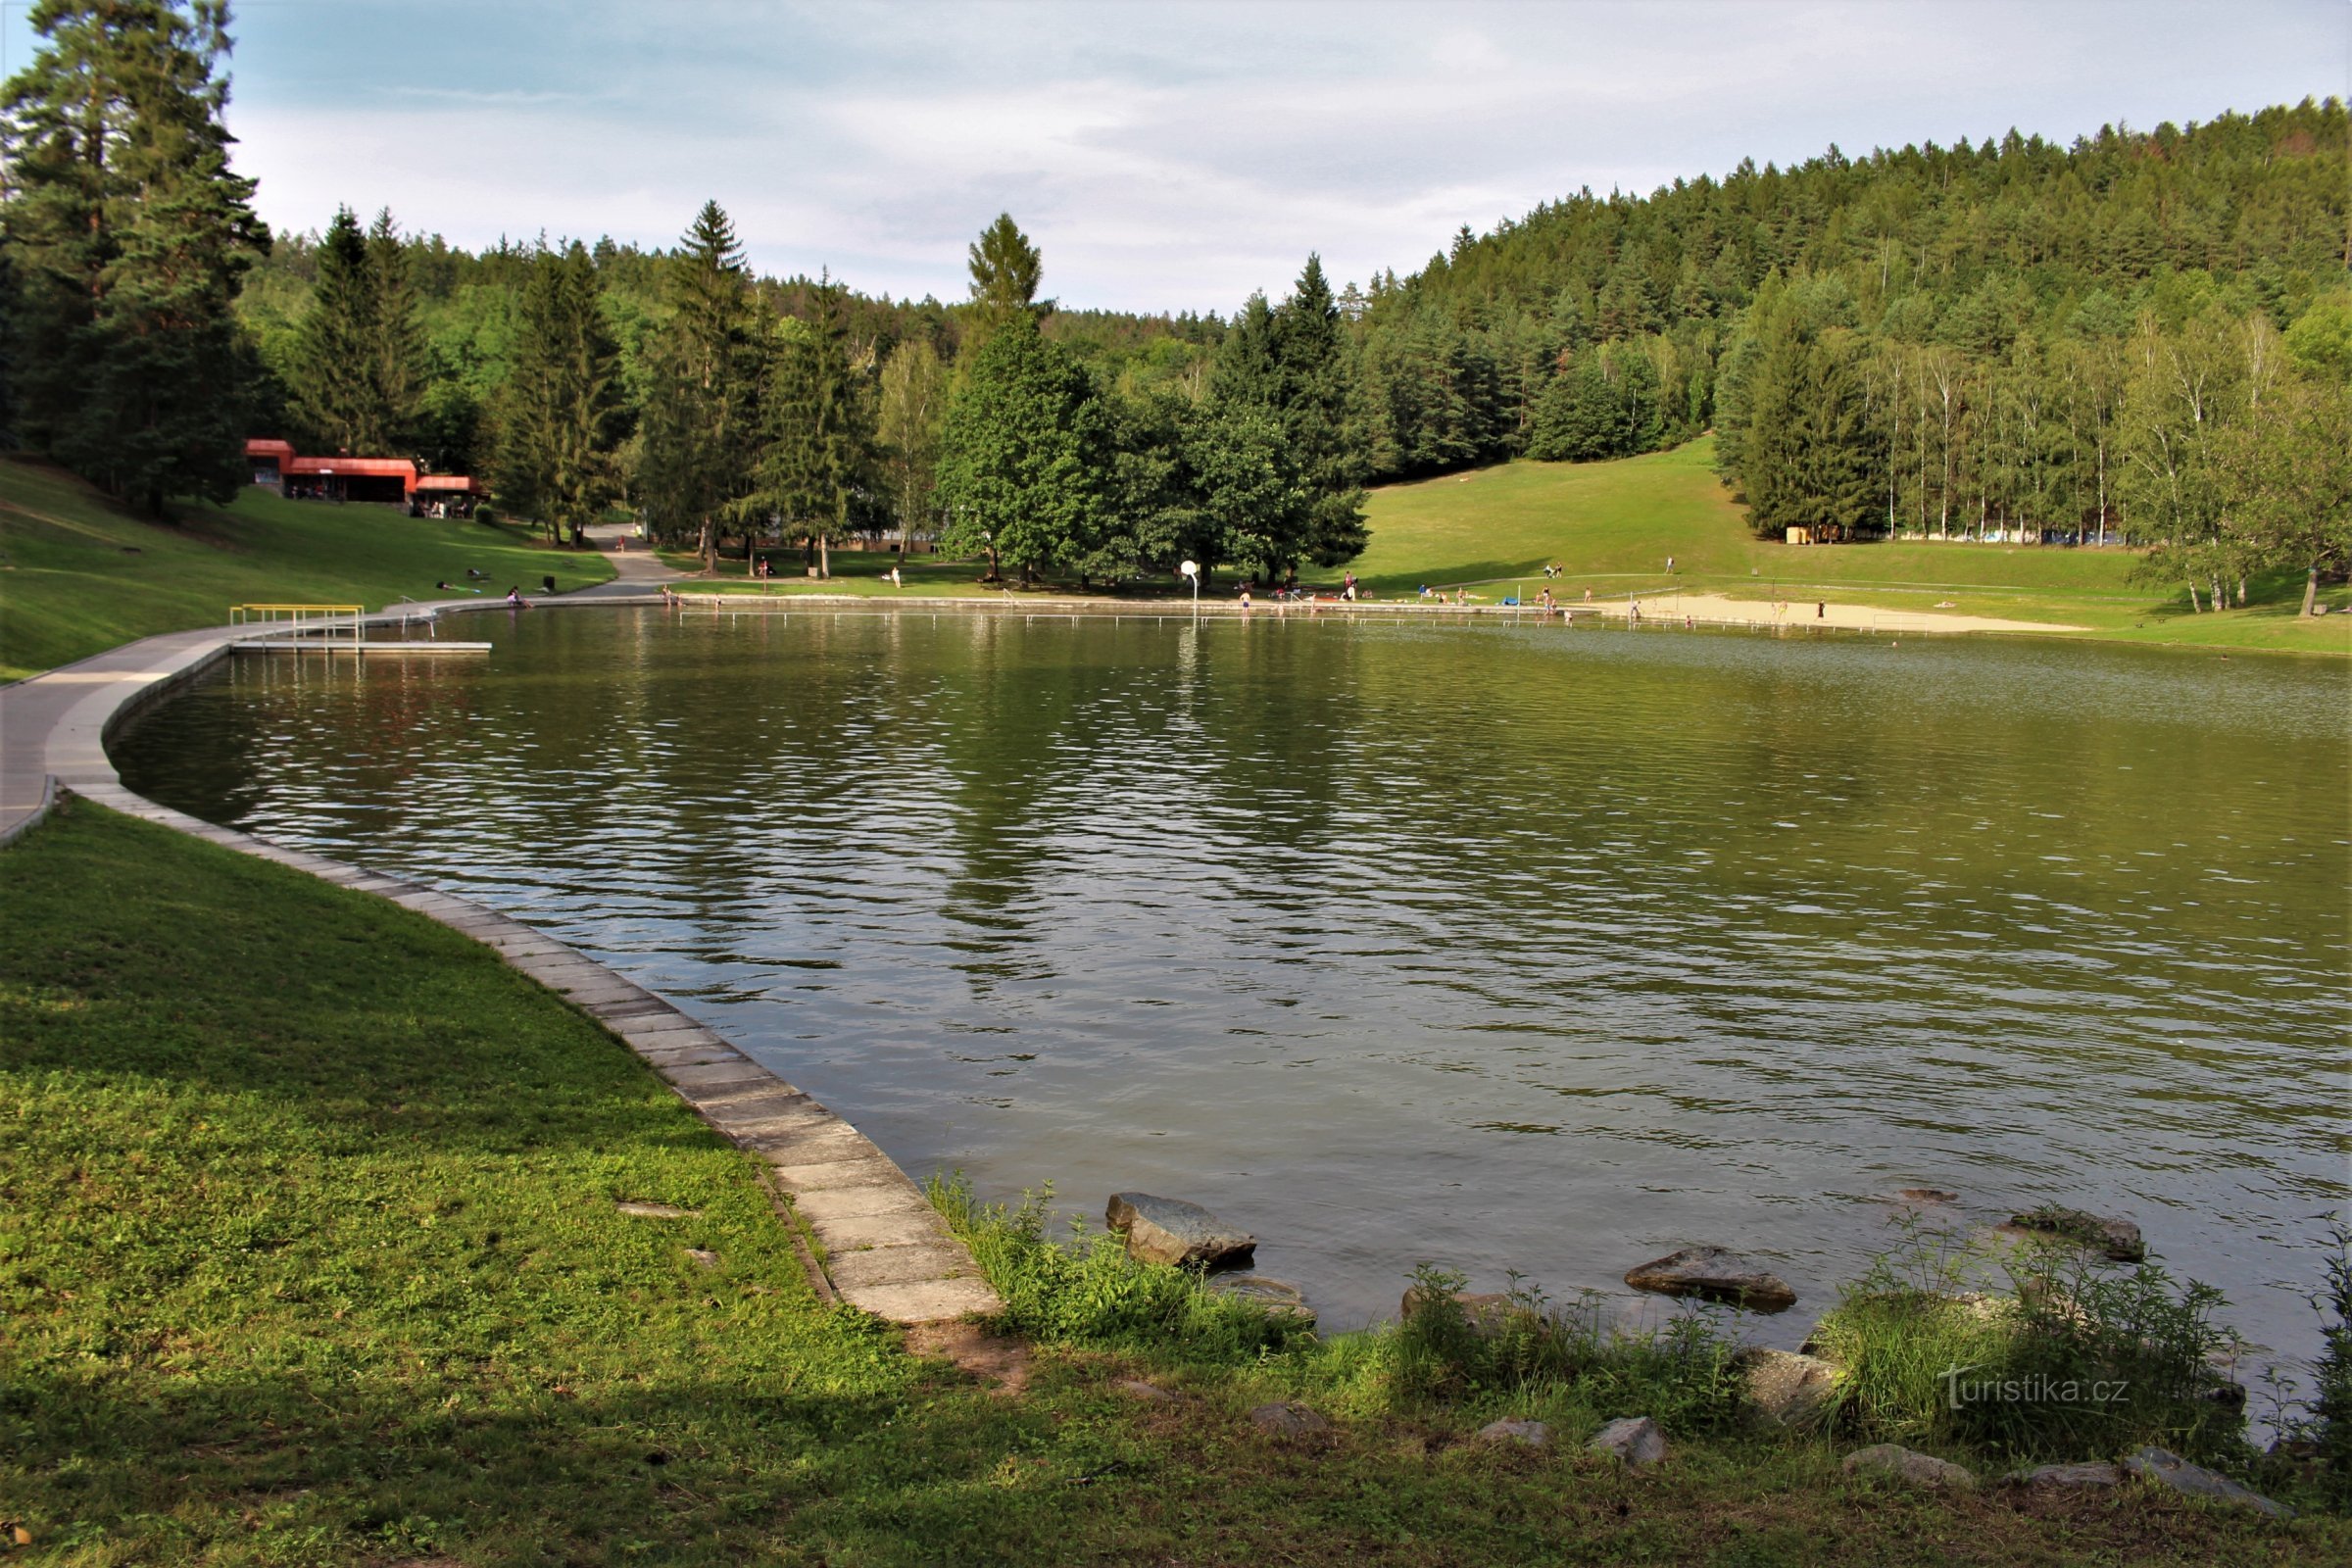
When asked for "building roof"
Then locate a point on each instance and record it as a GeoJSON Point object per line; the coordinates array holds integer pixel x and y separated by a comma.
{"type": "Point", "coordinates": [446, 481]}
{"type": "Point", "coordinates": [268, 449]}
{"type": "Point", "coordinates": [400, 468]}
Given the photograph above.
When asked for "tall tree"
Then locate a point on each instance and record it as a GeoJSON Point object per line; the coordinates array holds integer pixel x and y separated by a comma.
{"type": "Point", "coordinates": [1006, 272]}
{"type": "Point", "coordinates": [396, 369]}
{"type": "Point", "coordinates": [129, 237]}
{"type": "Point", "coordinates": [914, 393]}
{"type": "Point", "coordinates": [701, 395]}
{"type": "Point", "coordinates": [360, 369]}
{"type": "Point", "coordinates": [561, 417]}
{"type": "Point", "coordinates": [1025, 456]}
{"type": "Point", "coordinates": [818, 448]}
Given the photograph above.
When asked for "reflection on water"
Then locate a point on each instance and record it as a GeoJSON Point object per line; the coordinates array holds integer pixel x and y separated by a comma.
{"type": "Point", "coordinates": [1508, 948]}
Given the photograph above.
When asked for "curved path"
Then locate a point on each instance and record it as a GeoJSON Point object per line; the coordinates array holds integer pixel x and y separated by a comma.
{"type": "Point", "coordinates": [885, 1248]}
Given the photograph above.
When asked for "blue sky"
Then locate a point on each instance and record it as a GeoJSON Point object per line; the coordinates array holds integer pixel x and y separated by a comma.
{"type": "Point", "coordinates": [1164, 156]}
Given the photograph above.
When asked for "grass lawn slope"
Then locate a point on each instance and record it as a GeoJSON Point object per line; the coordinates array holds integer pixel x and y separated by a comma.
{"type": "Point", "coordinates": [79, 575]}
{"type": "Point", "coordinates": [310, 1254]}
{"type": "Point", "coordinates": [1612, 525]}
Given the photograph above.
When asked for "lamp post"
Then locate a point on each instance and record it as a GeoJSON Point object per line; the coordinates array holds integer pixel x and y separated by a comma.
{"type": "Point", "coordinates": [1192, 569]}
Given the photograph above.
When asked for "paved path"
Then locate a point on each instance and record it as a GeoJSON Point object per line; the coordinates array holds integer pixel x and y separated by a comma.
{"type": "Point", "coordinates": [886, 1250]}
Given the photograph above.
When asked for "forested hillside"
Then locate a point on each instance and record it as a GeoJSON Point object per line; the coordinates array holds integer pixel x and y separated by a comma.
{"type": "Point", "coordinates": [2146, 332]}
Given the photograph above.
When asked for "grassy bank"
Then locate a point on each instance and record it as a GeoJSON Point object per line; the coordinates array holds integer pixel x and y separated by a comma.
{"type": "Point", "coordinates": [79, 575]}
{"type": "Point", "coordinates": [1611, 526]}
{"type": "Point", "coordinates": [310, 1254]}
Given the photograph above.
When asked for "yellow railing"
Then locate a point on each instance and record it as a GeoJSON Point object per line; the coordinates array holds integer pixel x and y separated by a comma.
{"type": "Point", "coordinates": [300, 619]}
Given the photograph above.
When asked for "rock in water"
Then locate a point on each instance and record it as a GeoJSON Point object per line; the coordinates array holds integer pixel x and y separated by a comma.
{"type": "Point", "coordinates": [1899, 1463]}
{"type": "Point", "coordinates": [1288, 1420]}
{"type": "Point", "coordinates": [1715, 1275]}
{"type": "Point", "coordinates": [2168, 1469]}
{"type": "Point", "coordinates": [1168, 1230]}
{"type": "Point", "coordinates": [1526, 1434]}
{"type": "Point", "coordinates": [1275, 1296]}
{"type": "Point", "coordinates": [1786, 1389]}
{"type": "Point", "coordinates": [1636, 1439]}
{"type": "Point", "coordinates": [2119, 1239]}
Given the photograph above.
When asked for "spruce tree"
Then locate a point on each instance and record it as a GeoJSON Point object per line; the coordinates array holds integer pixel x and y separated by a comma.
{"type": "Point", "coordinates": [702, 399]}
{"type": "Point", "coordinates": [818, 450]}
{"type": "Point", "coordinates": [1006, 272]}
{"type": "Point", "coordinates": [562, 417]}
{"type": "Point", "coordinates": [128, 237]}
{"type": "Point", "coordinates": [333, 394]}
{"type": "Point", "coordinates": [397, 361]}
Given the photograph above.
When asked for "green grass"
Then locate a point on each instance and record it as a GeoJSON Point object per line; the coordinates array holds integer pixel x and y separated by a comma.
{"type": "Point", "coordinates": [1612, 525]}
{"type": "Point", "coordinates": [79, 575]}
{"type": "Point", "coordinates": [308, 1255]}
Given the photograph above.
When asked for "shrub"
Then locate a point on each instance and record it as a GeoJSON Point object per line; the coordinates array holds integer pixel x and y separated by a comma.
{"type": "Point", "coordinates": [1088, 1291]}
{"type": "Point", "coordinates": [2076, 1356]}
{"type": "Point", "coordinates": [1681, 1374]}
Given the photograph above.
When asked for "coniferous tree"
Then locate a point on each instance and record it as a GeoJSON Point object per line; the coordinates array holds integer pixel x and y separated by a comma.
{"type": "Point", "coordinates": [701, 406]}
{"type": "Point", "coordinates": [817, 452]}
{"type": "Point", "coordinates": [360, 367]}
{"type": "Point", "coordinates": [128, 237]}
{"type": "Point", "coordinates": [1006, 272]}
{"type": "Point", "coordinates": [561, 415]}
{"type": "Point", "coordinates": [395, 342]}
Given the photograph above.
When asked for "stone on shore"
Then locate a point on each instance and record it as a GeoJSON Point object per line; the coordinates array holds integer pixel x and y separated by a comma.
{"type": "Point", "coordinates": [1898, 1463]}
{"type": "Point", "coordinates": [1275, 1296]}
{"type": "Point", "coordinates": [1169, 1230]}
{"type": "Point", "coordinates": [1526, 1434]}
{"type": "Point", "coordinates": [2164, 1468]}
{"type": "Point", "coordinates": [1288, 1420]}
{"type": "Point", "coordinates": [1713, 1274]}
{"type": "Point", "coordinates": [1148, 1393]}
{"type": "Point", "coordinates": [640, 1210]}
{"type": "Point", "coordinates": [1788, 1389]}
{"type": "Point", "coordinates": [2119, 1239]}
{"type": "Point", "coordinates": [1635, 1439]}
{"type": "Point", "coordinates": [2069, 1476]}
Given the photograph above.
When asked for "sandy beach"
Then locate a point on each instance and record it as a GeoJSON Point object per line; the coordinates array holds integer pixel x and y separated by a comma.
{"type": "Point", "coordinates": [1716, 610]}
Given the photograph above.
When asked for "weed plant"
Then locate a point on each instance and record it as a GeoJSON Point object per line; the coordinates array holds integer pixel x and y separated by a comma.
{"type": "Point", "coordinates": [1089, 1292]}
{"type": "Point", "coordinates": [2065, 1356]}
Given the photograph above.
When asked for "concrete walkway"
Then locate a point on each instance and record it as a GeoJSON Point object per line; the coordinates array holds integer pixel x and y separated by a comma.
{"type": "Point", "coordinates": [886, 1250]}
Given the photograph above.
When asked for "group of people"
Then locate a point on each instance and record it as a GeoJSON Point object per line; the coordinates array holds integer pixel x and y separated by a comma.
{"type": "Point", "coordinates": [514, 595]}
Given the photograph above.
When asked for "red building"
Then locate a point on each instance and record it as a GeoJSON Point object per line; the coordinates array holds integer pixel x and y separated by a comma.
{"type": "Point", "coordinates": [269, 460]}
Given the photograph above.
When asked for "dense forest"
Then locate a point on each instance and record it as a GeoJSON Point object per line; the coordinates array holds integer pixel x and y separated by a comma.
{"type": "Point", "coordinates": [2144, 337]}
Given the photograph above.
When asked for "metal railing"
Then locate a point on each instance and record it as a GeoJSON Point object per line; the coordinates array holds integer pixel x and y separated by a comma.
{"type": "Point", "coordinates": [296, 621]}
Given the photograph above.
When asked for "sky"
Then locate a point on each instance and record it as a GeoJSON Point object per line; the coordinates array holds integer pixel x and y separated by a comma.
{"type": "Point", "coordinates": [1163, 157]}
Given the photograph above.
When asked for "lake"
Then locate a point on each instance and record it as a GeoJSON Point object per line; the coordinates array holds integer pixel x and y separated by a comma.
{"type": "Point", "coordinates": [1504, 947]}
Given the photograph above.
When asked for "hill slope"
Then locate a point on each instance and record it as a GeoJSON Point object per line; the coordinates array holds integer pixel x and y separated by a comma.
{"type": "Point", "coordinates": [78, 575]}
{"type": "Point", "coordinates": [1611, 526]}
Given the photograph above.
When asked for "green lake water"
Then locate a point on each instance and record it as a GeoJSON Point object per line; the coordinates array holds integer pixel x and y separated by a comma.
{"type": "Point", "coordinates": [1509, 947]}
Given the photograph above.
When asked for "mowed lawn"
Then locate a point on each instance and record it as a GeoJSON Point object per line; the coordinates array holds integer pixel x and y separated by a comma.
{"type": "Point", "coordinates": [1612, 527]}
{"type": "Point", "coordinates": [79, 575]}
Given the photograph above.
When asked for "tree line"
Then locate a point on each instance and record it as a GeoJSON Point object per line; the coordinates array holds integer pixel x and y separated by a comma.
{"type": "Point", "coordinates": [2139, 336]}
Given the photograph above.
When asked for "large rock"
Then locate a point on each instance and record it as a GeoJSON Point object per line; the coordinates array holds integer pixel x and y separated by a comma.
{"type": "Point", "coordinates": [1715, 1275]}
{"type": "Point", "coordinates": [1788, 1390]}
{"type": "Point", "coordinates": [1898, 1463]}
{"type": "Point", "coordinates": [2163, 1468]}
{"type": "Point", "coordinates": [1169, 1230]}
{"type": "Point", "coordinates": [1526, 1434]}
{"type": "Point", "coordinates": [2119, 1239]}
{"type": "Point", "coordinates": [1635, 1439]}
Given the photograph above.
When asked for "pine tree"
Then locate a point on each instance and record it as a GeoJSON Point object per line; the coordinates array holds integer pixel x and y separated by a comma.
{"type": "Point", "coordinates": [818, 451]}
{"type": "Point", "coordinates": [128, 239]}
{"type": "Point", "coordinates": [396, 357]}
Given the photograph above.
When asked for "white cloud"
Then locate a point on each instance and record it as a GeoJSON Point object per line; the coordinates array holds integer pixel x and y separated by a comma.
{"type": "Point", "coordinates": [1169, 157]}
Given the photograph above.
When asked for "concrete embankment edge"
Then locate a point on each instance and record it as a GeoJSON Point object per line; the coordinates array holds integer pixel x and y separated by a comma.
{"type": "Point", "coordinates": [884, 1249]}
